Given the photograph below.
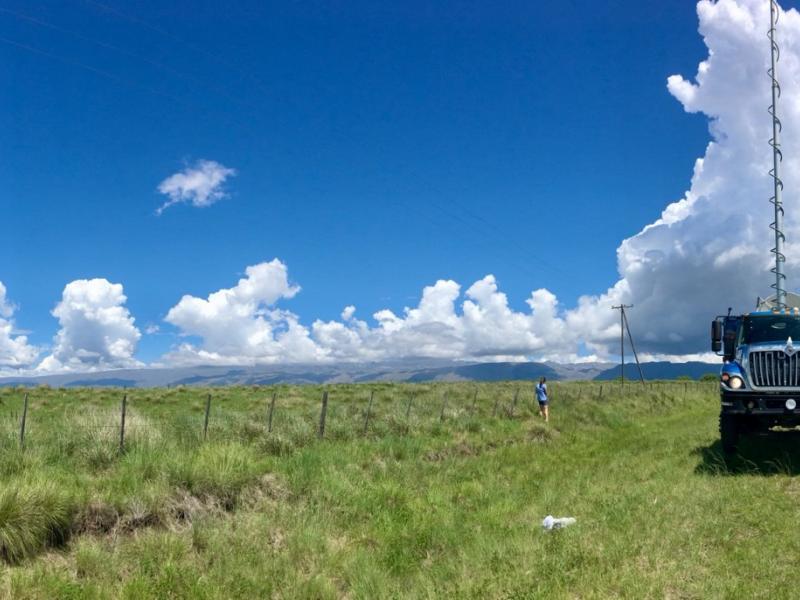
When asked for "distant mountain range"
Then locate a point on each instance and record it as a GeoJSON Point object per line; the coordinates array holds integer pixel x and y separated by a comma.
{"type": "Point", "coordinates": [410, 371]}
{"type": "Point", "coordinates": [663, 370]}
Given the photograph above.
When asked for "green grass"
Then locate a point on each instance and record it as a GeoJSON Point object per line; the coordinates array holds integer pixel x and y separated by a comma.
{"type": "Point", "coordinates": [416, 507]}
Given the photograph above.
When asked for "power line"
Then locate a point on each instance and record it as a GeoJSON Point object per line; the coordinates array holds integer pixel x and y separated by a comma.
{"type": "Point", "coordinates": [95, 70]}
{"type": "Point", "coordinates": [456, 212]}
{"type": "Point", "coordinates": [497, 230]}
{"type": "Point", "coordinates": [231, 117]}
{"type": "Point", "coordinates": [158, 65]}
{"type": "Point", "coordinates": [193, 47]}
{"type": "Point", "coordinates": [448, 212]}
{"type": "Point", "coordinates": [126, 82]}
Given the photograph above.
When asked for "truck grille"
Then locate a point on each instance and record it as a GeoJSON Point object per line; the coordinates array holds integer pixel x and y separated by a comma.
{"type": "Point", "coordinates": [774, 368]}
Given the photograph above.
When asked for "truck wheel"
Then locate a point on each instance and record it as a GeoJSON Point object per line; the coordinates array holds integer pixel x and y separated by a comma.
{"type": "Point", "coordinates": [728, 433]}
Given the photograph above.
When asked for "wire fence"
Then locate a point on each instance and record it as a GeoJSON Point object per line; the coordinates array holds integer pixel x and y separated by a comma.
{"type": "Point", "coordinates": [118, 418]}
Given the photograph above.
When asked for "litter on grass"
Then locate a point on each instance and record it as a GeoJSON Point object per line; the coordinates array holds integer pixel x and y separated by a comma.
{"type": "Point", "coordinates": [551, 522]}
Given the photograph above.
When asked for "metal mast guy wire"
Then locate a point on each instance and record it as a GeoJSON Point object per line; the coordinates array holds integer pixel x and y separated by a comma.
{"type": "Point", "coordinates": [777, 157]}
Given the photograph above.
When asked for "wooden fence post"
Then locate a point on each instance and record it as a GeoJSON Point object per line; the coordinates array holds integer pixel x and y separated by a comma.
{"type": "Point", "coordinates": [205, 422]}
{"type": "Point", "coordinates": [22, 421]}
{"type": "Point", "coordinates": [271, 410]}
{"type": "Point", "coordinates": [408, 408]}
{"type": "Point", "coordinates": [474, 402]}
{"type": "Point", "coordinates": [369, 411]}
{"type": "Point", "coordinates": [444, 405]}
{"type": "Point", "coordinates": [122, 424]}
{"type": "Point", "coordinates": [514, 403]}
{"type": "Point", "coordinates": [322, 414]}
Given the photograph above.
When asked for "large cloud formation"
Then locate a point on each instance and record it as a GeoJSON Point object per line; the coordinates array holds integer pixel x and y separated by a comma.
{"type": "Point", "coordinates": [711, 249]}
{"type": "Point", "coordinates": [15, 351]}
{"type": "Point", "coordinates": [97, 330]}
{"type": "Point", "coordinates": [243, 325]}
{"type": "Point", "coordinates": [483, 327]}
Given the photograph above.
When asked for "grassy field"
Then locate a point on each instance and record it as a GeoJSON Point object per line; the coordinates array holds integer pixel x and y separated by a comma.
{"type": "Point", "coordinates": [434, 504]}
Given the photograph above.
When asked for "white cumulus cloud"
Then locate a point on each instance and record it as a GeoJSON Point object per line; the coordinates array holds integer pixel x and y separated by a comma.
{"type": "Point", "coordinates": [711, 249]}
{"type": "Point", "coordinates": [478, 324]}
{"type": "Point", "coordinates": [198, 185]}
{"type": "Point", "coordinates": [96, 329]}
{"type": "Point", "coordinates": [15, 351]}
{"type": "Point", "coordinates": [243, 325]}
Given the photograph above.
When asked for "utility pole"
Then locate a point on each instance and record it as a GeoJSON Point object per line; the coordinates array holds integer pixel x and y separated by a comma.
{"type": "Point", "coordinates": [623, 327]}
{"type": "Point", "coordinates": [633, 347]}
{"type": "Point", "coordinates": [621, 308]}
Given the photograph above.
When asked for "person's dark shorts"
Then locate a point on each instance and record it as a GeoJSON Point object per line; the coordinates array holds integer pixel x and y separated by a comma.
{"type": "Point", "coordinates": [543, 402]}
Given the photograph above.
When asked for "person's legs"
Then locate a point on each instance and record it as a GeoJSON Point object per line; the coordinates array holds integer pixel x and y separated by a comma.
{"type": "Point", "coordinates": [546, 413]}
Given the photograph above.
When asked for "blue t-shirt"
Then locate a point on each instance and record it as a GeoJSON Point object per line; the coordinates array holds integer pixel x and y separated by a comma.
{"type": "Point", "coordinates": [541, 392]}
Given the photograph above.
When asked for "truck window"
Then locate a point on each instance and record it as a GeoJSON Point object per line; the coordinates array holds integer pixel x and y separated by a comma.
{"type": "Point", "coordinates": [770, 328]}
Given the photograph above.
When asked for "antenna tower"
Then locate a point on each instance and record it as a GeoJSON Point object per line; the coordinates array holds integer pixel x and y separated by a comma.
{"type": "Point", "coordinates": [777, 157]}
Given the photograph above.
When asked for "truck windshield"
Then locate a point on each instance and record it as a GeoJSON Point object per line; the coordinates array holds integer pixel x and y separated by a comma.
{"type": "Point", "coordinates": [770, 328]}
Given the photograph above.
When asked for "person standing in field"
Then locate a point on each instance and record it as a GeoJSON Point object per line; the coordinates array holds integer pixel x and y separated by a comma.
{"type": "Point", "coordinates": [541, 396]}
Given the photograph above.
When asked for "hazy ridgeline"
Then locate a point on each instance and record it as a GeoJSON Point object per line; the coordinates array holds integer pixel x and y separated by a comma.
{"type": "Point", "coordinates": [441, 497]}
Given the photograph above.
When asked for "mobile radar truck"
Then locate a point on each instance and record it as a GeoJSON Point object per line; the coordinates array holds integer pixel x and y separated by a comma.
{"type": "Point", "coordinates": [760, 377]}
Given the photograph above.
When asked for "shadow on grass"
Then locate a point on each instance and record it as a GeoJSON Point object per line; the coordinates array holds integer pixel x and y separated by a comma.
{"type": "Point", "coordinates": [774, 453]}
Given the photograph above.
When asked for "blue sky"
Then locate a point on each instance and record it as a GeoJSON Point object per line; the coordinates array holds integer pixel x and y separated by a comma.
{"type": "Point", "coordinates": [378, 147]}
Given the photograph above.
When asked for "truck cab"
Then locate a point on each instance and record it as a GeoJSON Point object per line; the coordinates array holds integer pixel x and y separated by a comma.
{"type": "Point", "coordinates": [760, 376]}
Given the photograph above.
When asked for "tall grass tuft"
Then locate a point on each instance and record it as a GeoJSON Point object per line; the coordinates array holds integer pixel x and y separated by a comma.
{"type": "Point", "coordinates": [218, 472]}
{"type": "Point", "coordinates": [32, 517]}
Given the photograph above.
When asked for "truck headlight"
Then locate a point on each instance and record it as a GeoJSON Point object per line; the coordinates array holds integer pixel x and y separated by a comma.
{"type": "Point", "coordinates": [735, 383]}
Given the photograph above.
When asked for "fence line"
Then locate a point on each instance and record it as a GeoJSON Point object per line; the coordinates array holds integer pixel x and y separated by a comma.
{"type": "Point", "coordinates": [94, 417]}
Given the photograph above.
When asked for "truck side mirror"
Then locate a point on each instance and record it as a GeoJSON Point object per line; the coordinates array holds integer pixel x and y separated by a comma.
{"type": "Point", "coordinates": [729, 344]}
{"type": "Point", "coordinates": [716, 336]}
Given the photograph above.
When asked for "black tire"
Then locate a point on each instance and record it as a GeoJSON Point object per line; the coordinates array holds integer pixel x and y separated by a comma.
{"type": "Point", "coordinates": [728, 432]}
